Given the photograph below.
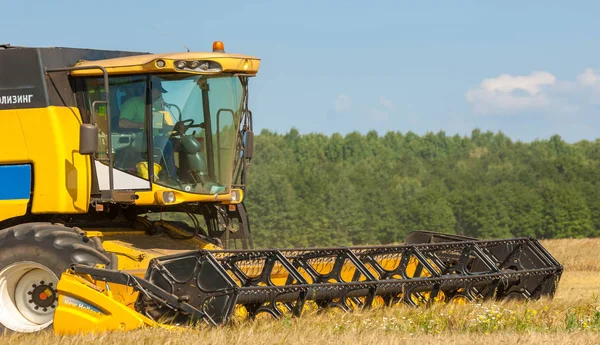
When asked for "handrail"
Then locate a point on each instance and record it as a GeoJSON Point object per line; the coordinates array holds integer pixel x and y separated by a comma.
{"type": "Point", "coordinates": [111, 182]}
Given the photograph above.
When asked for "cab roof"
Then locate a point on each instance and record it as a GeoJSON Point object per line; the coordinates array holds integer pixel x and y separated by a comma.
{"type": "Point", "coordinates": [147, 58]}
{"type": "Point", "coordinates": [148, 63]}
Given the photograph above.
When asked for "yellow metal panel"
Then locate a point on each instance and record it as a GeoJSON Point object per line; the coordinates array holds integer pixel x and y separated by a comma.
{"type": "Point", "coordinates": [13, 208]}
{"type": "Point", "coordinates": [134, 252]}
{"type": "Point", "coordinates": [147, 64]}
{"type": "Point", "coordinates": [150, 198]}
{"type": "Point", "coordinates": [143, 59]}
{"type": "Point", "coordinates": [135, 249]}
{"type": "Point", "coordinates": [103, 233]}
{"type": "Point", "coordinates": [131, 260]}
{"type": "Point", "coordinates": [12, 143]}
{"type": "Point", "coordinates": [82, 309]}
{"type": "Point", "coordinates": [62, 176]}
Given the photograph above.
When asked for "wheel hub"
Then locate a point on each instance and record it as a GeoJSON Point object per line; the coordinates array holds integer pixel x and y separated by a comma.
{"type": "Point", "coordinates": [28, 296]}
{"type": "Point", "coordinates": [42, 296]}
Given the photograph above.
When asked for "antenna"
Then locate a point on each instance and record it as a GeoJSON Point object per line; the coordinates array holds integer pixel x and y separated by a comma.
{"type": "Point", "coordinates": [167, 36]}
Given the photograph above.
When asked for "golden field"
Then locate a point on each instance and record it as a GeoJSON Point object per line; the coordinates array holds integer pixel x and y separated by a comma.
{"type": "Point", "coordinates": [572, 317]}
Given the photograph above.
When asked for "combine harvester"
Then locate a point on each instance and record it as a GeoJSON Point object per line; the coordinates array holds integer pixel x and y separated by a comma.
{"type": "Point", "coordinates": [122, 177]}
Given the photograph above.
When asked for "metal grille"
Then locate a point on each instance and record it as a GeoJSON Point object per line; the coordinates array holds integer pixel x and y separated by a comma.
{"type": "Point", "coordinates": [282, 281]}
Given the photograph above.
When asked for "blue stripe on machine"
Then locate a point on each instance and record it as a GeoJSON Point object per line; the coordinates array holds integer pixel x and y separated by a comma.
{"type": "Point", "coordinates": [15, 182]}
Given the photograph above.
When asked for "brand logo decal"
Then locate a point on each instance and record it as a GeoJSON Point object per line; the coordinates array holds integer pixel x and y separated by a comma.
{"type": "Point", "coordinates": [82, 305]}
{"type": "Point", "coordinates": [16, 99]}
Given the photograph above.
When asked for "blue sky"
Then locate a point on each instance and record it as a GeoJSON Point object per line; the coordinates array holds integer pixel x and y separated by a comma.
{"type": "Point", "coordinates": [528, 68]}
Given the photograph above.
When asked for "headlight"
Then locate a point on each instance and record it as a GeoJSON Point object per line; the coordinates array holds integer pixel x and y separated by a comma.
{"type": "Point", "coordinates": [169, 197]}
{"type": "Point", "coordinates": [236, 196]}
{"type": "Point", "coordinates": [165, 198]}
{"type": "Point", "coordinates": [199, 66]}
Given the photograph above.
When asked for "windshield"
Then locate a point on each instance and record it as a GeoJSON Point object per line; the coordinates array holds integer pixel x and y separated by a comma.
{"type": "Point", "coordinates": [193, 125]}
{"type": "Point", "coordinates": [205, 113]}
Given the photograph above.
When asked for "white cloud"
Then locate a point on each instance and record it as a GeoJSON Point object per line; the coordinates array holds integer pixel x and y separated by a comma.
{"type": "Point", "coordinates": [589, 82]}
{"type": "Point", "coordinates": [508, 93]}
{"type": "Point", "coordinates": [380, 112]}
{"type": "Point", "coordinates": [386, 103]}
{"type": "Point", "coordinates": [342, 103]}
{"type": "Point", "coordinates": [588, 78]}
{"type": "Point", "coordinates": [506, 83]}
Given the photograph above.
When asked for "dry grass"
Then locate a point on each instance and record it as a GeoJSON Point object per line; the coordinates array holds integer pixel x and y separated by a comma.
{"type": "Point", "coordinates": [573, 317]}
{"type": "Point", "coordinates": [576, 254]}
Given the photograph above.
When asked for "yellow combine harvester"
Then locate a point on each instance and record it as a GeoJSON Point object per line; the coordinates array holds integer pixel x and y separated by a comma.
{"type": "Point", "coordinates": [122, 177]}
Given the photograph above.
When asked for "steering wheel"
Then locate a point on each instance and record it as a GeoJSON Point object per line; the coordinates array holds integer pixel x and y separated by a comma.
{"type": "Point", "coordinates": [182, 126]}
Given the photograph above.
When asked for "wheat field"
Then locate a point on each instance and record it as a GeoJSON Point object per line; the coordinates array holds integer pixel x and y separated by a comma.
{"type": "Point", "coordinates": [572, 317]}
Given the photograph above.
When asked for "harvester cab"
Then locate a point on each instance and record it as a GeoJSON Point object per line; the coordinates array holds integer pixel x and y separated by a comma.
{"type": "Point", "coordinates": [122, 179]}
{"type": "Point", "coordinates": [168, 130]}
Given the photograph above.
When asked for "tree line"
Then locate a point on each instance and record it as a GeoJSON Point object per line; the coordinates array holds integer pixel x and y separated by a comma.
{"type": "Point", "coordinates": [319, 190]}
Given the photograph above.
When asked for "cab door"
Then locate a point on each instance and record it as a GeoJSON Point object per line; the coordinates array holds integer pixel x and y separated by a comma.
{"type": "Point", "coordinates": [129, 144]}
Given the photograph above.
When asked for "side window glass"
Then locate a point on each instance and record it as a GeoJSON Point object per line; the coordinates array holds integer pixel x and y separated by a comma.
{"type": "Point", "coordinates": [128, 113]}
{"type": "Point", "coordinates": [95, 92]}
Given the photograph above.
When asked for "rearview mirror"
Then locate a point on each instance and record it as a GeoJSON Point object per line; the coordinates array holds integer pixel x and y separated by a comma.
{"type": "Point", "coordinates": [88, 139]}
{"type": "Point", "coordinates": [249, 144]}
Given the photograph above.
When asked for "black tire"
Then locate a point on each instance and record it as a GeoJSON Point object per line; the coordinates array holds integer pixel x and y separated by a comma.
{"type": "Point", "coordinates": [53, 245]}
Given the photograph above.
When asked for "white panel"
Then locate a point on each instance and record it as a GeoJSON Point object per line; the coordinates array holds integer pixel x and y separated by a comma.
{"type": "Point", "coordinates": [122, 180]}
